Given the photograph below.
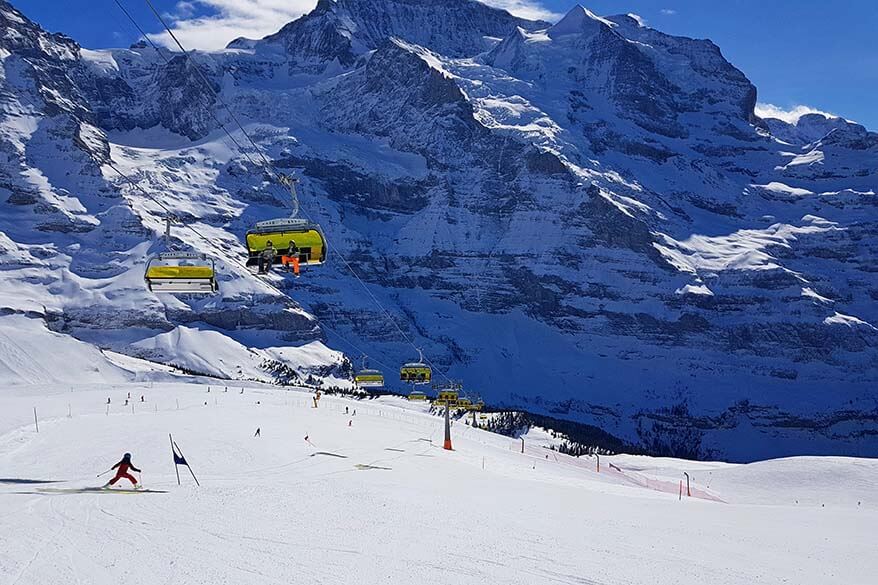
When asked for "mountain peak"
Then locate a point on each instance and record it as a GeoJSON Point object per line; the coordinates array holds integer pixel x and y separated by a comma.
{"type": "Point", "coordinates": [578, 20]}
{"type": "Point", "coordinates": [455, 28]}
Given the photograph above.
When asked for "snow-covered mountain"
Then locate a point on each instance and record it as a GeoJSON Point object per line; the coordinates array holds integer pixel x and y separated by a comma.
{"type": "Point", "coordinates": [584, 219]}
{"type": "Point", "coordinates": [73, 243]}
{"type": "Point", "coordinates": [341, 31]}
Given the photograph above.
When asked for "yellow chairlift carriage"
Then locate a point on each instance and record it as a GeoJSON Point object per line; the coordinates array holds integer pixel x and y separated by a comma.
{"type": "Point", "coordinates": [178, 272]}
{"type": "Point", "coordinates": [181, 272]}
{"type": "Point", "coordinates": [294, 242]}
{"type": "Point", "coordinates": [291, 237]}
{"type": "Point", "coordinates": [416, 372]}
{"type": "Point", "coordinates": [448, 396]}
{"type": "Point", "coordinates": [367, 378]}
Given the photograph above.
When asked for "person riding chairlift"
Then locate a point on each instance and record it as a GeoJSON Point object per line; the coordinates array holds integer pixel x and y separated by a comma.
{"type": "Point", "coordinates": [291, 258]}
{"type": "Point", "coordinates": [266, 258]}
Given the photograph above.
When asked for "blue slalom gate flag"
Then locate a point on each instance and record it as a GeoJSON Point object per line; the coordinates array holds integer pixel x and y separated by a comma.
{"type": "Point", "coordinates": [179, 459]}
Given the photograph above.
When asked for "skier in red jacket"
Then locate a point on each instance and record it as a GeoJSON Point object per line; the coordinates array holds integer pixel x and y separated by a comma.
{"type": "Point", "coordinates": [122, 471]}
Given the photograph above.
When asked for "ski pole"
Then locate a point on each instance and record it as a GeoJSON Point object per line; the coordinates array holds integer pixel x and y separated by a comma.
{"type": "Point", "coordinates": [104, 473]}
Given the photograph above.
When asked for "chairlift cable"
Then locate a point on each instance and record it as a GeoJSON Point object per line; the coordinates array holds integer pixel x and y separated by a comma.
{"type": "Point", "coordinates": [280, 178]}
{"type": "Point", "coordinates": [231, 259]}
{"type": "Point", "coordinates": [167, 61]}
{"type": "Point", "coordinates": [131, 182]}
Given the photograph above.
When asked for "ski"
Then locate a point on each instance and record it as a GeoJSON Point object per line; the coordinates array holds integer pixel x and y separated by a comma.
{"type": "Point", "coordinates": [98, 490]}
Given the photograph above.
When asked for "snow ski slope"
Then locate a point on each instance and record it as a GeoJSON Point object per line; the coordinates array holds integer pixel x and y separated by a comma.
{"type": "Point", "coordinates": [373, 498]}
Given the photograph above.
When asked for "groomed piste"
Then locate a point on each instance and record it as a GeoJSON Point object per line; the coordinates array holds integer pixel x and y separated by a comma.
{"type": "Point", "coordinates": [362, 491]}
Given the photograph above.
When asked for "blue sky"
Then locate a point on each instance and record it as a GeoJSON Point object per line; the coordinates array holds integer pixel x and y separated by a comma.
{"type": "Point", "coordinates": [818, 54]}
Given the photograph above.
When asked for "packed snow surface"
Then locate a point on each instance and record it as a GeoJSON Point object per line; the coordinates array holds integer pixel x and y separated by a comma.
{"type": "Point", "coordinates": [30, 353]}
{"type": "Point", "coordinates": [372, 497]}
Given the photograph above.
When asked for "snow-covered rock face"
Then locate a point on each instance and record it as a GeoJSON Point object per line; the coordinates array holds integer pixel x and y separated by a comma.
{"type": "Point", "coordinates": [616, 67]}
{"type": "Point", "coordinates": [584, 219]}
{"type": "Point", "coordinates": [340, 30]}
{"type": "Point", "coordinates": [74, 239]}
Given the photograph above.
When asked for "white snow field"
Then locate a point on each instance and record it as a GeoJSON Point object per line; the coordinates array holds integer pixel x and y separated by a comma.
{"type": "Point", "coordinates": [373, 498]}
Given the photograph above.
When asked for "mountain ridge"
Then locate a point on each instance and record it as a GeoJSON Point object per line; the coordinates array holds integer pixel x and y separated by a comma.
{"type": "Point", "coordinates": [590, 223]}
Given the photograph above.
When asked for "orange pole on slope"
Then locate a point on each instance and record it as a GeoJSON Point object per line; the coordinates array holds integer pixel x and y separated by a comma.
{"type": "Point", "coordinates": [447, 446]}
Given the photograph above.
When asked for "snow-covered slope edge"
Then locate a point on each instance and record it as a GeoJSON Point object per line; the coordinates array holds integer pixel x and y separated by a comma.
{"type": "Point", "coordinates": [31, 354]}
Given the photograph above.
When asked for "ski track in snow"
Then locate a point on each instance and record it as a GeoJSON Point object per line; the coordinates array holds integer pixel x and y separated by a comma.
{"type": "Point", "coordinates": [392, 506]}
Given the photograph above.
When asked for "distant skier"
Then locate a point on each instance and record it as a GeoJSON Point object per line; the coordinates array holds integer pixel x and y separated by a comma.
{"type": "Point", "coordinates": [258, 432]}
{"type": "Point", "coordinates": [142, 398]}
{"type": "Point", "coordinates": [346, 410]}
{"type": "Point", "coordinates": [122, 471]}
{"type": "Point", "coordinates": [266, 258]}
{"type": "Point", "coordinates": [108, 400]}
